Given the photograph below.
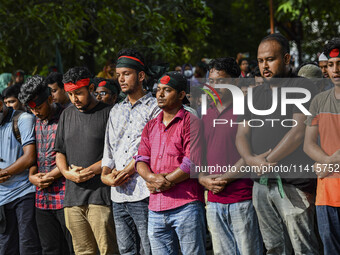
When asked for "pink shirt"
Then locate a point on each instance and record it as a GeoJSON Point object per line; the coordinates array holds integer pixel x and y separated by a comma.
{"type": "Point", "coordinates": [222, 151]}
{"type": "Point", "coordinates": [165, 148]}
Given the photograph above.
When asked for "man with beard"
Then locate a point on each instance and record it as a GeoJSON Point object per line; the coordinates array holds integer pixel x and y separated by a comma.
{"type": "Point", "coordinates": [129, 193]}
{"type": "Point", "coordinates": [79, 145]}
{"type": "Point", "coordinates": [170, 146]}
{"type": "Point", "coordinates": [284, 201]}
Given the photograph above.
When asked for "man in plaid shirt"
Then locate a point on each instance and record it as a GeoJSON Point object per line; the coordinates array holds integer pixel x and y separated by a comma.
{"type": "Point", "coordinates": [49, 182]}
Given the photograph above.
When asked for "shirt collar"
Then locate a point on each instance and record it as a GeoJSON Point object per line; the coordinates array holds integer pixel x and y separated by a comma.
{"type": "Point", "coordinates": [179, 115]}
{"type": "Point", "coordinates": [143, 100]}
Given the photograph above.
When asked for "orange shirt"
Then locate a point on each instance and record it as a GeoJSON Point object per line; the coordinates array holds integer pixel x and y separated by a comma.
{"type": "Point", "coordinates": [325, 109]}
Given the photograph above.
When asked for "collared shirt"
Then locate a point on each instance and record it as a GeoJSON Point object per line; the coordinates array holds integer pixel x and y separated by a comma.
{"type": "Point", "coordinates": [164, 149]}
{"type": "Point", "coordinates": [10, 150]}
{"type": "Point", "coordinates": [222, 151]}
{"type": "Point", "coordinates": [51, 197]}
{"type": "Point", "coordinates": [123, 135]}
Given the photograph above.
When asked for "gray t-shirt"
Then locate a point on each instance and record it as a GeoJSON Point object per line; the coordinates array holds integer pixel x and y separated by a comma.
{"type": "Point", "coordinates": [80, 136]}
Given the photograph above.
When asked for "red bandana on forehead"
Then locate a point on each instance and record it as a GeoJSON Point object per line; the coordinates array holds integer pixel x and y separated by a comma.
{"type": "Point", "coordinates": [32, 104]}
{"type": "Point", "coordinates": [79, 84]}
{"type": "Point", "coordinates": [334, 53]}
{"type": "Point", "coordinates": [102, 84]}
{"type": "Point", "coordinates": [165, 79]}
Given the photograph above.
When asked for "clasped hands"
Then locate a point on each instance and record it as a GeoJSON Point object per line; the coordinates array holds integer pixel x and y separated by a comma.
{"type": "Point", "coordinates": [78, 174]}
{"type": "Point", "coordinates": [4, 175]}
{"type": "Point", "coordinates": [158, 183]}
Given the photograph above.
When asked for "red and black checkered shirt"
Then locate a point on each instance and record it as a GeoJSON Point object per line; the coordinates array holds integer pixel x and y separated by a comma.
{"type": "Point", "coordinates": [51, 197]}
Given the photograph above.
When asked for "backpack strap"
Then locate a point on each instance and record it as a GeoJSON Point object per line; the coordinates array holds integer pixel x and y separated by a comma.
{"type": "Point", "coordinates": [15, 127]}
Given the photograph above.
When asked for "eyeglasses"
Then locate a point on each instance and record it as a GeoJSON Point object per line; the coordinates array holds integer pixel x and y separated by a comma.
{"type": "Point", "coordinates": [101, 93]}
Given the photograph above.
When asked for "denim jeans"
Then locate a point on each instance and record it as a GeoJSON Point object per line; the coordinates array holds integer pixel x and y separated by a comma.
{"type": "Point", "coordinates": [329, 228]}
{"type": "Point", "coordinates": [286, 223]}
{"type": "Point", "coordinates": [184, 224]}
{"type": "Point", "coordinates": [234, 228]}
{"type": "Point", "coordinates": [131, 221]}
{"type": "Point", "coordinates": [21, 235]}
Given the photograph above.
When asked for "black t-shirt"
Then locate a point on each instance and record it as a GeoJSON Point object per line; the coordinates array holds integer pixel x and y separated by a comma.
{"type": "Point", "coordinates": [80, 136]}
{"type": "Point", "coordinates": [271, 133]}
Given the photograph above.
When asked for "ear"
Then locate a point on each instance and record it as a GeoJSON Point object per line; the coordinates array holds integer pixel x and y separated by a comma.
{"type": "Point", "coordinates": [50, 100]}
{"type": "Point", "coordinates": [141, 76]}
{"type": "Point", "coordinates": [181, 95]}
{"type": "Point", "coordinates": [114, 98]}
{"type": "Point", "coordinates": [91, 87]}
{"type": "Point", "coordinates": [287, 58]}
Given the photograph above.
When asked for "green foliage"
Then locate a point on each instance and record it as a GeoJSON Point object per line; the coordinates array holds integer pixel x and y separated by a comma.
{"type": "Point", "coordinates": [169, 30]}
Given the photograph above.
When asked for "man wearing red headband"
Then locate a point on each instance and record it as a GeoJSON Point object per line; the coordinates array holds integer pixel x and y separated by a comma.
{"type": "Point", "coordinates": [49, 182]}
{"type": "Point", "coordinates": [170, 146]}
{"type": "Point", "coordinates": [107, 90]}
{"type": "Point", "coordinates": [324, 123]}
{"type": "Point", "coordinates": [79, 146]}
{"type": "Point", "coordinates": [129, 193]}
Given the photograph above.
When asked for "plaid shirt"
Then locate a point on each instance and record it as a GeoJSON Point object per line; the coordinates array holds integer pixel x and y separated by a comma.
{"type": "Point", "coordinates": [51, 197]}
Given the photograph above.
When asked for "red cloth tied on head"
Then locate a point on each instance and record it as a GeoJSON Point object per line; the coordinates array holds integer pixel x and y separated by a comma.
{"type": "Point", "coordinates": [102, 84]}
{"type": "Point", "coordinates": [79, 84]}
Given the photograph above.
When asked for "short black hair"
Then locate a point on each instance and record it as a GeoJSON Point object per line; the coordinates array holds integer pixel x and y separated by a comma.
{"type": "Point", "coordinates": [241, 60]}
{"type": "Point", "coordinates": [12, 91]}
{"type": "Point", "coordinates": [332, 44]}
{"type": "Point", "coordinates": [97, 80]}
{"type": "Point", "coordinates": [226, 64]}
{"type": "Point", "coordinates": [279, 38]}
{"type": "Point", "coordinates": [132, 53]}
{"type": "Point", "coordinates": [77, 73]}
{"type": "Point", "coordinates": [55, 77]}
{"type": "Point", "coordinates": [31, 88]}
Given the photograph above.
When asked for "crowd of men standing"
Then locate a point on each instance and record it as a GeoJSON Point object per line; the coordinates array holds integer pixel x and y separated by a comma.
{"type": "Point", "coordinates": [85, 174]}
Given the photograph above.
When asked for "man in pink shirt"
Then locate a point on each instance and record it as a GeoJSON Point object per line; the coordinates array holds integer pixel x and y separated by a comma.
{"type": "Point", "coordinates": [169, 148]}
{"type": "Point", "coordinates": [231, 216]}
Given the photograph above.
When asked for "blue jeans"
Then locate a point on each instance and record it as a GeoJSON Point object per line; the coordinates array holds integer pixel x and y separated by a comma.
{"type": "Point", "coordinates": [131, 221]}
{"type": "Point", "coordinates": [234, 228]}
{"type": "Point", "coordinates": [286, 223]}
{"type": "Point", "coordinates": [329, 228]}
{"type": "Point", "coordinates": [21, 235]}
{"type": "Point", "coordinates": [184, 224]}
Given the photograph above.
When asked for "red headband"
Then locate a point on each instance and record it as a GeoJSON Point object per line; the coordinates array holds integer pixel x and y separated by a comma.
{"type": "Point", "coordinates": [102, 84]}
{"type": "Point", "coordinates": [334, 53]}
{"type": "Point", "coordinates": [73, 86]}
{"type": "Point", "coordinates": [136, 59]}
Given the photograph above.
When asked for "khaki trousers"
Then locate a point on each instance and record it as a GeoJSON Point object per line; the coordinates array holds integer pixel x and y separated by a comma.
{"type": "Point", "coordinates": [91, 226]}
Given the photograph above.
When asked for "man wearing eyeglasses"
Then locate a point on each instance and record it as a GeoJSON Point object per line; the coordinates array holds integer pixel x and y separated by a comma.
{"type": "Point", "coordinates": [107, 91]}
